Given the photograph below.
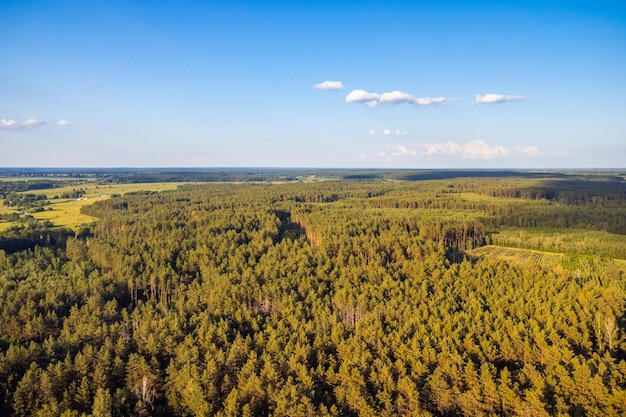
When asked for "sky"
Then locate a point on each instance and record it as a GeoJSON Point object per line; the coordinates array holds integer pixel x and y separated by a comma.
{"type": "Point", "coordinates": [341, 84]}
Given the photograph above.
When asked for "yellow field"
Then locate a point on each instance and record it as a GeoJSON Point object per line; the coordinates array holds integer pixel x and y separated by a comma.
{"type": "Point", "coordinates": [94, 190]}
{"type": "Point", "coordinates": [66, 212]}
{"type": "Point", "coordinates": [4, 224]}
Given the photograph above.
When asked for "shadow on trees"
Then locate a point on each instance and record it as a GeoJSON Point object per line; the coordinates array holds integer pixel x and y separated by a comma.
{"type": "Point", "coordinates": [24, 238]}
{"type": "Point", "coordinates": [288, 229]}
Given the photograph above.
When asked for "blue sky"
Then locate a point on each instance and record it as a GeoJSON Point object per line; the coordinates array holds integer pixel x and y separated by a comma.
{"type": "Point", "coordinates": [436, 84]}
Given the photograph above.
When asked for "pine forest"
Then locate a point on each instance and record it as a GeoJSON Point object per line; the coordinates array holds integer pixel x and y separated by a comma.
{"type": "Point", "coordinates": [337, 294]}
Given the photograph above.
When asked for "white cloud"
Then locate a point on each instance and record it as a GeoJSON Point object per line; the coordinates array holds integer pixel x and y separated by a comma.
{"type": "Point", "coordinates": [401, 150]}
{"type": "Point", "coordinates": [394, 97]}
{"type": "Point", "coordinates": [434, 101]}
{"type": "Point", "coordinates": [447, 148]}
{"type": "Point", "coordinates": [495, 98]}
{"type": "Point", "coordinates": [32, 123]}
{"type": "Point", "coordinates": [362, 96]}
{"type": "Point", "coordinates": [10, 124]}
{"type": "Point", "coordinates": [63, 123]}
{"type": "Point", "coordinates": [528, 150]}
{"type": "Point", "coordinates": [477, 149]}
{"type": "Point", "coordinates": [329, 85]}
{"type": "Point", "coordinates": [389, 132]}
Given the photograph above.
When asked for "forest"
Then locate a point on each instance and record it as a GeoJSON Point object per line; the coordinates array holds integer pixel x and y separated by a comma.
{"type": "Point", "coordinates": [358, 294]}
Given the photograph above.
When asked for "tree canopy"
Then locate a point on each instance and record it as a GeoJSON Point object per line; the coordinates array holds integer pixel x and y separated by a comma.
{"type": "Point", "coordinates": [338, 298]}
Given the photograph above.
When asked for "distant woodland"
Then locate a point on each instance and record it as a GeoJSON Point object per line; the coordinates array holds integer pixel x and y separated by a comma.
{"type": "Point", "coordinates": [373, 295]}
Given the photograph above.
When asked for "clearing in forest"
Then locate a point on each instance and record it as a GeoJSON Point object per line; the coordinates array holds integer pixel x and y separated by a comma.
{"type": "Point", "coordinates": [65, 212]}
{"type": "Point", "coordinates": [520, 256]}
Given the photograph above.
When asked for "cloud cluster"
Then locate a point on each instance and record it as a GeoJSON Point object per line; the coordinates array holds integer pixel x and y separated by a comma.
{"type": "Point", "coordinates": [388, 132]}
{"type": "Point", "coordinates": [398, 97]}
{"type": "Point", "coordinates": [394, 97]}
{"type": "Point", "coordinates": [447, 148]}
{"type": "Point", "coordinates": [495, 98]}
{"type": "Point", "coordinates": [10, 124]}
{"type": "Point", "coordinates": [329, 85]}
{"type": "Point", "coordinates": [477, 149]}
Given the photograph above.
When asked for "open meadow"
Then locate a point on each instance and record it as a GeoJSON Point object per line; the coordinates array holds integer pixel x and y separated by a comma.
{"type": "Point", "coordinates": [66, 212]}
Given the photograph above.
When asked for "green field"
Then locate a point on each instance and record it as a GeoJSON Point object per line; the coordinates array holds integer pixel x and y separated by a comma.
{"type": "Point", "coordinates": [519, 256]}
{"type": "Point", "coordinates": [65, 212]}
{"type": "Point", "coordinates": [572, 241]}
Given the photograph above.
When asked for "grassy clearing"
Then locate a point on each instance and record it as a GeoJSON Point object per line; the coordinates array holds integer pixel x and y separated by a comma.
{"type": "Point", "coordinates": [93, 190]}
{"type": "Point", "coordinates": [4, 225]}
{"type": "Point", "coordinates": [612, 268]}
{"type": "Point", "coordinates": [519, 256]}
{"type": "Point", "coordinates": [570, 241]}
{"type": "Point", "coordinates": [66, 212]}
